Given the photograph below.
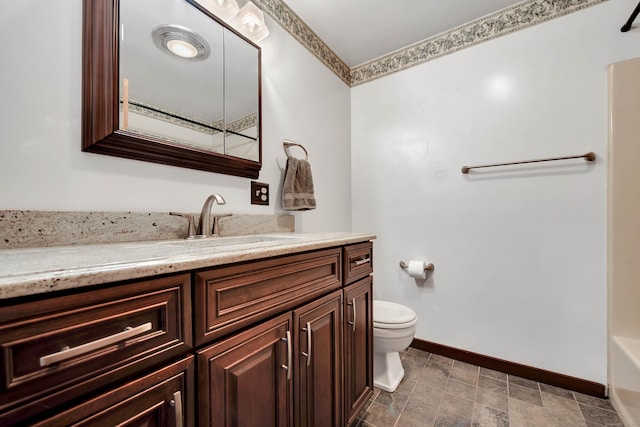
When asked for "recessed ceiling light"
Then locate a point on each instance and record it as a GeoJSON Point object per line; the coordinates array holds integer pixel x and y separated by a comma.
{"type": "Point", "coordinates": [180, 41]}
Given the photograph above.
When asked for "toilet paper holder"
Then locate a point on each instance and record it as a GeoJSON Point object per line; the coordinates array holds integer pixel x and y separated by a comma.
{"type": "Point", "coordinates": [428, 267]}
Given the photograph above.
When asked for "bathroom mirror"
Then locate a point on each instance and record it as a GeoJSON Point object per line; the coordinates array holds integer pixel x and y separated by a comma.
{"type": "Point", "coordinates": [141, 101]}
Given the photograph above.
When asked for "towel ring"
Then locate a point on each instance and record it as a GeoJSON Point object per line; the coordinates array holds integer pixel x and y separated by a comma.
{"type": "Point", "coordinates": [287, 143]}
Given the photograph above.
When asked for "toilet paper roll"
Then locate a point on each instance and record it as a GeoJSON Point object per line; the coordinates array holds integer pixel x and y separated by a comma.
{"type": "Point", "coordinates": [417, 269]}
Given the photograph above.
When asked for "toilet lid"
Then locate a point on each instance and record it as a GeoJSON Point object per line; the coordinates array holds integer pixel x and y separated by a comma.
{"type": "Point", "coordinates": [389, 314]}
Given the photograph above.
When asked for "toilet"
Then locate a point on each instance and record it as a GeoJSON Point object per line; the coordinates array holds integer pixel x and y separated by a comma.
{"type": "Point", "coordinates": [394, 326]}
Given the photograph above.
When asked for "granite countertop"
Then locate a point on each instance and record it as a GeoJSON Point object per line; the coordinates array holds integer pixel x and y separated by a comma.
{"type": "Point", "coordinates": [38, 270]}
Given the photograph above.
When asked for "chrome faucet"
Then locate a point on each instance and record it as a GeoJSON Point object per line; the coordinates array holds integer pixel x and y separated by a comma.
{"type": "Point", "coordinates": [204, 226]}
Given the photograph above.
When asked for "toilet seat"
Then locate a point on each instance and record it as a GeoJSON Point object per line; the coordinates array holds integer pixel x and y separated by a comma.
{"type": "Point", "coordinates": [389, 315]}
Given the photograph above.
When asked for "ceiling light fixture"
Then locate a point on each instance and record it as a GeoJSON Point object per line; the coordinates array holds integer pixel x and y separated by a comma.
{"type": "Point", "coordinates": [251, 22]}
{"type": "Point", "coordinates": [223, 9]}
{"type": "Point", "coordinates": [180, 41]}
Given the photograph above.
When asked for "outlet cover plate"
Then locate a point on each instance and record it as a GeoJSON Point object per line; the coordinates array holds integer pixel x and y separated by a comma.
{"type": "Point", "coordinates": [259, 193]}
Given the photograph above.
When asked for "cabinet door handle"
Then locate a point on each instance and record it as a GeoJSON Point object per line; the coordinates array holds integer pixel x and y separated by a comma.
{"type": "Point", "coordinates": [68, 353]}
{"type": "Point", "coordinates": [360, 262]}
{"type": "Point", "coordinates": [308, 353]}
{"type": "Point", "coordinates": [176, 403]}
{"type": "Point", "coordinates": [287, 367]}
{"type": "Point", "coordinates": [353, 304]}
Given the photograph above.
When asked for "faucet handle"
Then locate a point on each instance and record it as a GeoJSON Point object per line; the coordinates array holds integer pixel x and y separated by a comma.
{"type": "Point", "coordinates": [216, 223]}
{"type": "Point", "coordinates": [192, 226]}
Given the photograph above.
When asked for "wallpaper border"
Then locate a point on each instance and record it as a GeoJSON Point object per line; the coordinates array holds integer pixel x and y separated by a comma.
{"type": "Point", "coordinates": [514, 18]}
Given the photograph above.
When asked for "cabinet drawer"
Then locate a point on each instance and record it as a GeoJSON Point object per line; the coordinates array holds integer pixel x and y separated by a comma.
{"type": "Point", "coordinates": [229, 298]}
{"type": "Point", "coordinates": [160, 398]}
{"type": "Point", "coordinates": [358, 261]}
{"type": "Point", "coordinates": [59, 348]}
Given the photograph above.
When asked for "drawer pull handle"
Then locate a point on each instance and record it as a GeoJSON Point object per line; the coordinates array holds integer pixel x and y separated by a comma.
{"type": "Point", "coordinates": [68, 353]}
{"type": "Point", "coordinates": [176, 403]}
{"type": "Point", "coordinates": [353, 304]}
{"type": "Point", "coordinates": [287, 367]}
{"type": "Point", "coordinates": [308, 353]}
{"type": "Point", "coordinates": [359, 262]}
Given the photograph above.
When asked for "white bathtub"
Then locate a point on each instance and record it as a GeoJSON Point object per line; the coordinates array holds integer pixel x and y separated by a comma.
{"type": "Point", "coordinates": [624, 382]}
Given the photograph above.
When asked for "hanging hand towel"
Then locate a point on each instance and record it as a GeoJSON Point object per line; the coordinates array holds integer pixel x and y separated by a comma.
{"type": "Point", "coordinates": [297, 191]}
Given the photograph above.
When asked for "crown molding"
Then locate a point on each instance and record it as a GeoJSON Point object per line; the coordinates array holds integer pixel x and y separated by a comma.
{"type": "Point", "coordinates": [506, 21]}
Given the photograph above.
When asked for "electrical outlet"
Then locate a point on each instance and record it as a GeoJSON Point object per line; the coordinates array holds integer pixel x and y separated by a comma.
{"type": "Point", "coordinates": [259, 193]}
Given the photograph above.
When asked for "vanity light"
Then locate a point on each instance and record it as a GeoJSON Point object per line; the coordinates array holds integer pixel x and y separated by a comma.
{"type": "Point", "coordinates": [251, 22]}
{"type": "Point", "coordinates": [223, 9]}
{"type": "Point", "coordinates": [180, 41]}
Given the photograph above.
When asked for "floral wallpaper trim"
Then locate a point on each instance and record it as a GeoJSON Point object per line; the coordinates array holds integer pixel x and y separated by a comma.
{"type": "Point", "coordinates": [503, 22]}
{"type": "Point", "coordinates": [158, 113]}
{"type": "Point", "coordinates": [287, 18]}
{"type": "Point", "coordinates": [212, 128]}
{"type": "Point", "coordinates": [243, 123]}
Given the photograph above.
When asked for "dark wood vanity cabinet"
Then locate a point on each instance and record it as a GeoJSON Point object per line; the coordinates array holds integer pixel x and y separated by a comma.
{"type": "Point", "coordinates": [317, 363]}
{"type": "Point", "coordinates": [283, 341]}
{"type": "Point", "coordinates": [311, 365]}
{"type": "Point", "coordinates": [245, 380]}
{"type": "Point", "coordinates": [358, 347]}
{"type": "Point", "coordinates": [62, 349]}
{"type": "Point", "coordinates": [162, 398]}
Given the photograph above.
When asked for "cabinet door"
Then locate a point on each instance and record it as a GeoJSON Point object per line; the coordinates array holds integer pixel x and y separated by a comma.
{"type": "Point", "coordinates": [245, 380]}
{"type": "Point", "coordinates": [318, 349]}
{"type": "Point", "coordinates": [358, 339]}
{"type": "Point", "coordinates": [162, 398]}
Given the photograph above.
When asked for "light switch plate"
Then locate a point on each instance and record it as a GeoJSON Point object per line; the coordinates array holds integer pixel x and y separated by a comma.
{"type": "Point", "coordinates": [259, 193]}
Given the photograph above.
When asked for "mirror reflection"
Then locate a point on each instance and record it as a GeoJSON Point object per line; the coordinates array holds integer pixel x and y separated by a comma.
{"type": "Point", "coordinates": [187, 80]}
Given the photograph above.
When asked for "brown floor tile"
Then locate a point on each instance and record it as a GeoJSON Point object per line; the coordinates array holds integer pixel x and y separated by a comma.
{"type": "Point", "coordinates": [600, 416]}
{"type": "Point", "coordinates": [440, 359]}
{"type": "Point", "coordinates": [436, 368]}
{"type": "Point", "coordinates": [484, 416]}
{"type": "Point", "coordinates": [408, 421]}
{"type": "Point", "coordinates": [560, 411]}
{"type": "Point", "coordinates": [452, 420]}
{"type": "Point", "coordinates": [419, 409]}
{"type": "Point", "coordinates": [380, 416]}
{"type": "Point", "coordinates": [464, 372]}
{"type": "Point", "coordinates": [492, 384]}
{"type": "Point", "coordinates": [568, 394]}
{"type": "Point", "coordinates": [415, 361]}
{"type": "Point", "coordinates": [394, 401]}
{"type": "Point", "coordinates": [493, 374]}
{"type": "Point", "coordinates": [418, 353]}
{"type": "Point", "coordinates": [525, 414]}
{"type": "Point", "coordinates": [443, 392]}
{"type": "Point", "coordinates": [523, 382]}
{"type": "Point", "coordinates": [525, 394]}
{"type": "Point", "coordinates": [492, 399]}
{"type": "Point", "coordinates": [452, 404]}
{"type": "Point", "coordinates": [429, 393]}
{"type": "Point", "coordinates": [461, 389]}
{"type": "Point", "coordinates": [594, 401]}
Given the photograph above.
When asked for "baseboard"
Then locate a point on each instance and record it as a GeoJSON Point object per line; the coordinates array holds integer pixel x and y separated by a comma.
{"type": "Point", "coordinates": [552, 378]}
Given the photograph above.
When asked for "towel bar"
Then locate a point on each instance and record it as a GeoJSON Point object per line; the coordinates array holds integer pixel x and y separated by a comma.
{"type": "Point", "coordinates": [590, 157]}
{"type": "Point", "coordinates": [287, 143]}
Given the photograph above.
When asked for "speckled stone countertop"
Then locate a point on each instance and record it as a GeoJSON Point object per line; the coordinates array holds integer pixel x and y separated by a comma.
{"type": "Point", "coordinates": [39, 270]}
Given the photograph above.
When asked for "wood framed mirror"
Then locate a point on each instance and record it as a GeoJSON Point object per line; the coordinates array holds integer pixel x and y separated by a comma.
{"type": "Point", "coordinates": [232, 133]}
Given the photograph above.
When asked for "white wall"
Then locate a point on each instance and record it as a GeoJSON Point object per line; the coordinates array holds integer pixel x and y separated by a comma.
{"type": "Point", "coordinates": [42, 167]}
{"type": "Point", "coordinates": [519, 255]}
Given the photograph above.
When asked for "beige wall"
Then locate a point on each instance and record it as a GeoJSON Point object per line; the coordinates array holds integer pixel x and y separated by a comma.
{"type": "Point", "coordinates": [624, 199]}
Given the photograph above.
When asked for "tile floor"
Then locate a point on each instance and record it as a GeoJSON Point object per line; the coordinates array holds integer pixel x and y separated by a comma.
{"type": "Point", "coordinates": [438, 391]}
